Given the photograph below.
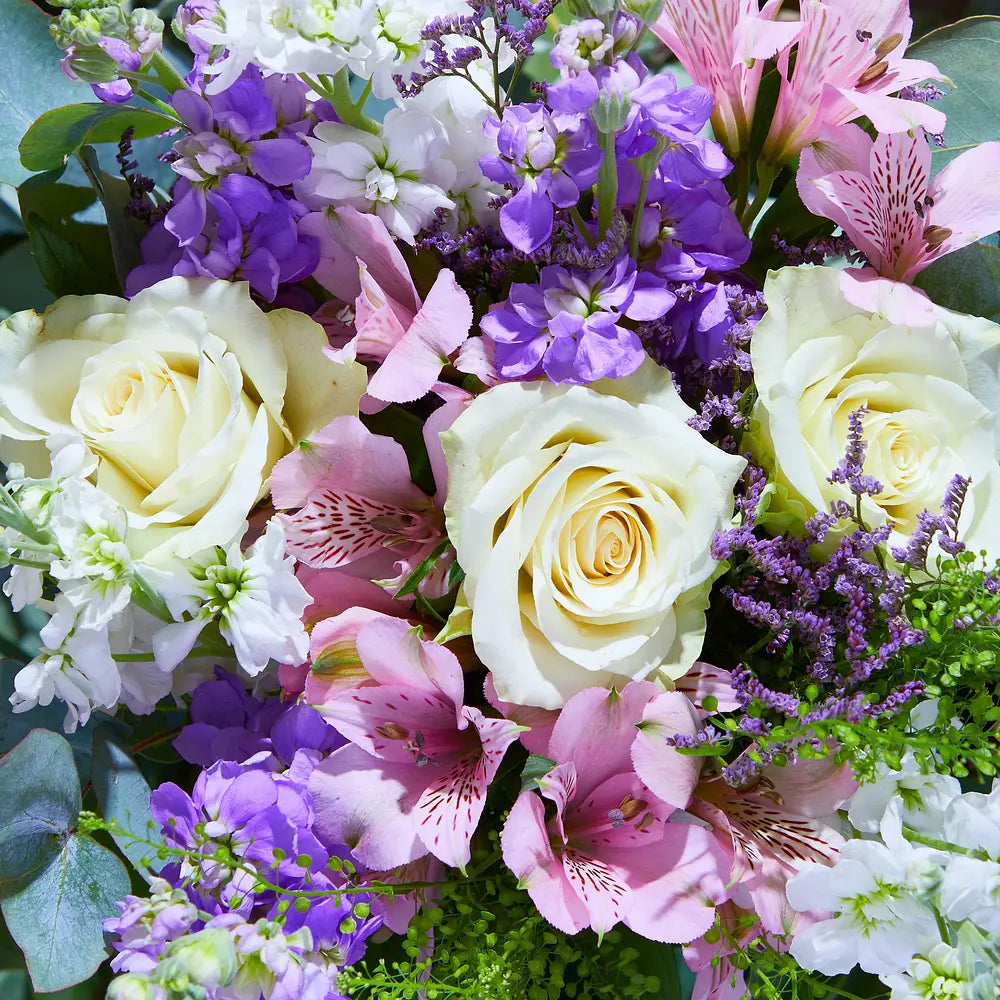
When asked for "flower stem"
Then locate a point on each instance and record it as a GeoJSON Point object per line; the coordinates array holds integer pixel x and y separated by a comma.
{"type": "Point", "coordinates": [766, 176]}
{"type": "Point", "coordinates": [607, 184]}
{"type": "Point", "coordinates": [166, 76]}
{"type": "Point", "coordinates": [349, 112]}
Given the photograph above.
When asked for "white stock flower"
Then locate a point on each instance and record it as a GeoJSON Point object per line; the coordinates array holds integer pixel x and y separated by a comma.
{"type": "Point", "coordinates": [924, 798]}
{"type": "Point", "coordinates": [818, 358]}
{"type": "Point", "coordinates": [254, 596]}
{"type": "Point", "coordinates": [187, 395]}
{"type": "Point", "coordinates": [940, 975]}
{"type": "Point", "coordinates": [400, 174]}
{"type": "Point", "coordinates": [879, 921]}
{"type": "Point", "coordinates": [583, 518]}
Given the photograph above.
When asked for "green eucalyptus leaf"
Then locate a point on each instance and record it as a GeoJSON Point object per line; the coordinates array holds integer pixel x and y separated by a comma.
{"type": "Point", "coordinates": [75, 258]}
{"type": "Point", "coordinates": [968, 53]}
{"type": "Point", "coordinates": [56, 919]}
{"type": "Point", "coordinates": [30, 80]}
{"type": "Point", "coordinates": [39, 803]}
{"type": "Point", "coordinates": [59, 133]}
{"type": "Point", "coordinates": [123, 794]}
{"type": "Point", "coordinates": [14, 985]}
{"type": "Point", "coordinates": [967, 281]}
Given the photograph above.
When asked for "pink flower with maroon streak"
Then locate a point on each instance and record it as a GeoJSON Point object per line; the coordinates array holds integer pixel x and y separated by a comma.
{"type": "Point", "coordinates": [357, 509]}
{"type": "Point", "coordinates": [615, 850]}
{"type": "Point", "coordinates": [770, 830]}
{"type": "Point", "coordinates": [414, 779]}
{"type": "Point", "coordinates": [848, 62]}
{"type": "Point", "coordinates": [724, 44]}
{"type": "Point", "coordinates": [881, 193]}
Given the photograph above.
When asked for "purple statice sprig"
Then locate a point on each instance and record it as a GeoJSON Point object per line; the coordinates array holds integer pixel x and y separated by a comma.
{"type": "Point", "coordinates": [492, 27]}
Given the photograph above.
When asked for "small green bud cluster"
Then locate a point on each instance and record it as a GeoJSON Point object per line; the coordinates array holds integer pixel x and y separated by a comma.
{"type": "Point", "coordinates": [86, 29]}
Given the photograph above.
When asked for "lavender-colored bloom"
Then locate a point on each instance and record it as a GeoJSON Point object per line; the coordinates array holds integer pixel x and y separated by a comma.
{"type": "Point", "coordinates": [569, 325]}
{"type": "Point", "coordinates": [188, 15]}
{"type": "Point", "coordinates": [548, 159]}
{"type": "Point", "coordinates": [232, 214]}
{"type": "Point", "coordinates": [228, 723]}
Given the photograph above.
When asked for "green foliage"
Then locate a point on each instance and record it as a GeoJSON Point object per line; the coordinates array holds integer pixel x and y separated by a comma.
{"type": "Point", "coordinates": [490, 943]}
{"type": "Point", "coordinates": [968, 53]}
{"type": "Point", "coordinates": [123, 794]}
{"type": "Point", "coordinates": [57, 885]}
{"type": "Point", "coordinates": [967, 281]}
{"type": "Point", "coordinates": [31, 82]}
{"type": "Point", "coordinates": [58, 134]}
{"type": "Point", "coordinates": [74, 257]}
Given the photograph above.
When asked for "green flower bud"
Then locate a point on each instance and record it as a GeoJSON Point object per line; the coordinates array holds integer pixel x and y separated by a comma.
{"type": "Point", "coordinates": [130, 987]}
{"type": "Point", "coordinates": [610, 112]}
{"type": "Point", "coordinates": [646, 10]}
{"type": "Point", "coordinates": [206, 959]}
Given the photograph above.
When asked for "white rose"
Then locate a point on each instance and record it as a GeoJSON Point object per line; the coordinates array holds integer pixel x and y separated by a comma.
{"type": "Point", "coordinates": [923, 377]}
{"type": "Point", "coordinates": [187, 394]}
{"type": "Point", "coordinates": [583, 518]}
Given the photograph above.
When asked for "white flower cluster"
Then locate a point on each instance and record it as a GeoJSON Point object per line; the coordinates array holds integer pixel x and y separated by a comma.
{"type": "Point", "coordinates": [916, 899]}
{"type": "Point", "coordinates": [119, 628]}
{"type": "Point", "coordinates": [374, 39]}
{"type": "Point", "coordinates": [424, 157]}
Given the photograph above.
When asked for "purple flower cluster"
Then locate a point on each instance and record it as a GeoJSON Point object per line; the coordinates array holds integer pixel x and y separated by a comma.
{"type": "Point", "coordinates": [227, 723]}
{"type": "Point", "coordinates": [232, 215]}
{"type": "Point", "coordinates": [841, 615]}
{"type": "Point", "coordinates": [245, 850]}
{"type": "Point", "coordinates": [568, 326]}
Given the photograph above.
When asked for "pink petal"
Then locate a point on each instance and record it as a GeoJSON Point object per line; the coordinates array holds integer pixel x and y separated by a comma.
{"type": "Point", "coordinates": [368, 805]}
{"type": "Point", "coordinates": [434, 426]}
{"type": "Point", "coordinates": [675, 883]}
{"type": "Point", "coordinates": [899, 303]}
{"type": "Point", "coordinates": [381, 322]}
{"type": "Point", "coordinates": [704, 680]}
{"type": "Point", "coordinates": [450, 807]}
{"type": "Point", "coordinates": [438, 329]}
{"type": "Point", "coordinates": [595, 730]}
{"type": "Point", "coordinates": [815, 788]}
{"type": "Point", "coordinates": [496, 735]}
{"type": "Point", "coordinates": [382, 719]}
{"type": "Point", "coordinates": [600, 887]}
{"type": "Point", "coordinates": [559, 787]}
{"type": "Point", "coordinates": [967, 197]}
{"type": "Point", "coordinates": [670, 775]}
{"type": "Point", "coordinates": [334, 592]}
{"type": "Point", "coordinates": [336, 666]}
{"type": "Point", "coordinates": [528, 854]}
{"type": "Point", "coordinates": [538, 720]}
{"type": "Point", "coordinates": [394, 653]}
{"type": "Point", "coordinates": [891, 114]}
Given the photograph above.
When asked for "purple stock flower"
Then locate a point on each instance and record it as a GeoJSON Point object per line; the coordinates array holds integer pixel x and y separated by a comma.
{"type": "Point", "coordinates": [568, 326]}
{"type": "Point", "coordinates": [232, 216]}
{"type": "Point", "coordinates": [228, 723]}
{"type": "Point", "coordinates": [548, 159]}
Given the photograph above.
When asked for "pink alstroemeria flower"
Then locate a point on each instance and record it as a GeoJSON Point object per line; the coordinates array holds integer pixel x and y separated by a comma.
{"type": "Point", "coordinates": [414, 778]}
{"type": "Point", "coordinates": [616, 848]}
{"type": "Point", "coordinates": [849, 61]}
{"type": "Point", "coordinates": [356, 508]}
{"type": "Point", "coordinates": [723, 44]}
{"type": "Point", "coordinates": [772, 828]}
{"type": "Point", "coordinates": [380, 316]}
{"type": "Point", "coordinates": [880, 192]}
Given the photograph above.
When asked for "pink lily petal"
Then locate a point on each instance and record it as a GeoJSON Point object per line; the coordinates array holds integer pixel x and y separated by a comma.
{"type": "Point", "coordinates": [595, 731]}
{"type": "Point", "coordinates": [452, 804]}
{"type": "Point", "coordinates": [434, 426]}
{"type": "Point", "coordinates": [670, 775]}
{"type": "Point", "coordinates": [704, 680]}
{"type": "Point", "coordinates": [368, 805]}
{"type": "Point", "coordinates": [333, 592]}
{"type": "Point", "coordinates": [559, 787]}
{"type": "Point", "coordinates": [336, 667]}
{"type": "Point", "coordinates": [394, 653]}
{"type": "Point", "coordinates": [438, 329]}
{"type": "Point", "coordinates": [381, 322]}
{"type": "Point", "coordinates": [676, 883]}
{"type": "Point", "coordinates": [968, 197]}
{"type": "Point", "coordinates": [600, 887]}
{"type": "Point", "coordinates": [899, 303]}
{"type": "Point", "coordinates": [529, 855]}
{"type": "Point", "coordinates": [539, 721]}
{"type": "Point", "coordinates": [892, 114]}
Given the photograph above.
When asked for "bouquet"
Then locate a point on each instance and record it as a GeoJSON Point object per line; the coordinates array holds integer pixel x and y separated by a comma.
{"type": "Point", "coordinates": [501, 500]}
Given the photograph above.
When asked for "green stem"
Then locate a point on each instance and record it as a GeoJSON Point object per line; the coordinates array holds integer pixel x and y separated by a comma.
{"type": "Point", "coordinates": [30, 563]}
{"type": "Point", "coordinates": [166, 76]}
{"type": "Point", "coordinates": [347, 111]}
{"type": "Point", "coordinates": [161, 106]}
{"type": "Point", "coordinates": [607, 184]}
{"type": "Point", "coordinates": [766, 176]}
{"type": "Point", "coordinates": [943, 845]}
{"type": "Point", "coordinates": [581, 225]}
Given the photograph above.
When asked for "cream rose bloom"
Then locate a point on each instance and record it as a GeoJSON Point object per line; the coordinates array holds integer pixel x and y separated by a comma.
{"type": "Point", "coordinates": [583, 518]}
{"type": "Point", "coordinates": [926, 376]}
{"type": "Point", "coordinates": [187, 395]}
